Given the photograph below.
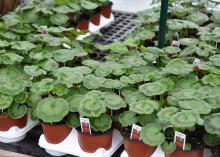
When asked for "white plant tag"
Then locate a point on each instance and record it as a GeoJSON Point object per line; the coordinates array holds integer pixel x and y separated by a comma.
{"type": "Point", "coordinates": [85, 125]}
{"type": "Point", "coordinates": [135, 132]}
{"type": "Point", "coordinates": [66, 46]}
{"type": "Point", "coordinates": [197, 61]}
{"type": "Point", "coordinates": [175, 44]}
{"type": "Point", "coordinates": [180, 140]}
{"type": "Point", "coordinates": [44, 30]}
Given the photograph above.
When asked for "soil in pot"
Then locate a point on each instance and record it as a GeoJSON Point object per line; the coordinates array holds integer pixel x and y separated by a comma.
{"type": "Point", "coordinates": [55, 133]}
{"type": "Point", "coordinates": [136, 148]}
{"type": "Point", "coordinates": [7, 122]}
{"type": "Point", "coordinates": [90, 143]}
{"type": "Point", "coordinates": [195, 153]}
{"type": "Point", "coordinates": [107, 10]}
{"type": "Point", "coordinates": [96, 17]}
{"type": "Point", "coordinates": [83, 22]}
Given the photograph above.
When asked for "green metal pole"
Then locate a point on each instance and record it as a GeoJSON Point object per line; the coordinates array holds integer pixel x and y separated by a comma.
{"type": "Point", "coordinates": [163, 23]}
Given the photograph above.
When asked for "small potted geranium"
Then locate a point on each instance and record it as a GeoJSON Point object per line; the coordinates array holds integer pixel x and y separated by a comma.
{"type": "Point", "coordinates": [93, 106]}
{"type": "Point", "coordinates": [13, 96]}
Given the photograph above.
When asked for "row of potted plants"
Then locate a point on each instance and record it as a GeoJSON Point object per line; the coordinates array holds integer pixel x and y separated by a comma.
{"type": "Point", "coordinates": [64, 13]}
{"type": "Point", "coordinates": [52, 76]}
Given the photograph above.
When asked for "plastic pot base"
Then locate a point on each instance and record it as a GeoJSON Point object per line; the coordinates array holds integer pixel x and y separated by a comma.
{"type": "Point", "coordinates": [7, 122]}
{"type": "Point", "coordinates": [55, 133]}
{"type": "Point", "coordinates": [138, 149]}
{"type": "Point", "coordinates": [90, 143]}
{"type": "Point", "coordinates": [198, 153]}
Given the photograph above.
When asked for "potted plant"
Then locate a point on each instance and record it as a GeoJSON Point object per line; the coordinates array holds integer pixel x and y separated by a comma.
{"type": "Point", "coordinates": [93, 105]}
{"type": "Point", "coordinates": [52, 112]}
{"type": "Point", "coordinates": [13, 98]}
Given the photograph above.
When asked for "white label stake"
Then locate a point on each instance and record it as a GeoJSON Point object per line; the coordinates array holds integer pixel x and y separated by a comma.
{"type": "Point", "coordinates": [85, 125]}
{"type": "Point", "coordinates": [180, 140]}
{"type": "Point", "coordinates": [135, 132]}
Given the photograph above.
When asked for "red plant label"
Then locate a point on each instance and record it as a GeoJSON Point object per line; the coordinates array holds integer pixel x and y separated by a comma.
{"type": "Point", "coordinates": [135, 132]}
{"type": "Point", "coordinates": [180, 140]}
{"type": "Point", "coordinates": [85, 125]}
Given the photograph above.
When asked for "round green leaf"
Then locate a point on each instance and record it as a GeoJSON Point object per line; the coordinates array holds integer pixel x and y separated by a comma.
{"type": "Point", "coordinates": [113, 101]}
{"type": "Point", "coordinates": [144, 106]}
{"type": "Point", "coordinates": [151, 135]}
{"type": "Point", "coordinates": [52, 110]}
{"type": "Point", "coordinates": [152, 89]}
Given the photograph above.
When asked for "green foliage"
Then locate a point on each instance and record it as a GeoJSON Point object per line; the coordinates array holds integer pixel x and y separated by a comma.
{"type": "Point", "coordinates": [17, 111]}
{"type": "Point", "coordinates": [168, 147]}
{"type": "Point", "coordinates": [151, 134]}
{"type": "Point", "coordinates": [178, 67]}
{"type": "Point", "coordinates": [72, 120]}
{"type": "Point", "coordinates": [113, 101]}
{"type": "Point", "coordinates": [128, 118]}
{"type": "Point", "coordinates": [52, 110]}
{"type": "Point", "coordinates": [212, 123]}
{"type": "Point", "coordinates": [102, 123]}
{"type": "Point", "coordinates": [5, 101]}
{"type": "Point", "coordinates": [199, 106]}
{"type": "Point", "coordinates": [68, 76]}
{"type": "Point", "coordinates": [144, 106]}
{"type": "Point", "coordinates": [186, 119]}
{"type": "Point", "coordinates": [43, 87]}
{"type": "Point", "coordinates": [91, 106]}
{"type": "Point", "coordinates": [151, 89]}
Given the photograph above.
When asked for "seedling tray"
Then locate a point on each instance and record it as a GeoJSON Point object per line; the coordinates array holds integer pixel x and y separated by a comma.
{"type": "Point", "coordinates": [71, 146]}
{"type": "Point", "coordinates": [118, 30]}
{"type": "Point", "coordinates": [16, 134]}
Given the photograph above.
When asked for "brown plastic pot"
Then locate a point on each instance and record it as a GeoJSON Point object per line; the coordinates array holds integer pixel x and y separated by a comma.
{"type": "Point", "coordinates": [107, 10]}
{"type": "Point", "coordinates": [195, 153]}
{"type": "Point", "coordinates": [8, 5]}
{"type": "Point", "coordinates": [83, 25]}
{"type": "Point", "coordinates": [55, 133]}
{"type": "Point", "coordinates": [6, 122]}
{"type": "Point", "coordinates": [83, 22]}
{"type": "Point", "coordinates": [137, 149]}
{"type": "Point", "coordinates": [90, 143]}
{"type": "Point", "coordinates": [96, 18]}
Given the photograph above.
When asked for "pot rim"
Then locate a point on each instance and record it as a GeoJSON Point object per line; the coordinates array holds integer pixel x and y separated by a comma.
{"type": "Point", "coordinates": [78, 129]}
{"type": "Point", "coordinates": [52, 124]}
{"type": "Point", "coordinates": [194, 150]}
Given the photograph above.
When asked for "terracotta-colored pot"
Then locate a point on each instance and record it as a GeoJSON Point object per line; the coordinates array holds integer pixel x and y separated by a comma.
{"type": "Point", "coordinates": [7, 122]}
{"type": "Point", "coordinates": [90, 143]}
{"type": "Point", "coordinates": [196, 153]}
{"type": "Point", "coordinates": [96, 18]}
{"type": "Point", "coordinates": [137, 149]}
{"type": "Point", "coordinates": [83, 25]}
{"type": "Point", "coordinates": [56, 133]}
{"type": "Point", "coordinates": [107, 10]}
{"type": "Point", "coordinates": [8, 5]}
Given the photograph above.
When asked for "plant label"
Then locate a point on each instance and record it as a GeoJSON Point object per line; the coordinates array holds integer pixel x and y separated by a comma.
{"type": "Point", "coordinates": [135, 132]}
{"type": "Point", "coordinates": [44, 30]}
{"type": "Point", "coordinates": [175, 44]}
{"type": "Point", "coordinates": [85, 125]}
{"type": "Point", "coordinates": [66, 46]}
{"type": "Point", "coordinates": [197, 61]}
{"type": "Point", "coordinates": [180, 140]}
